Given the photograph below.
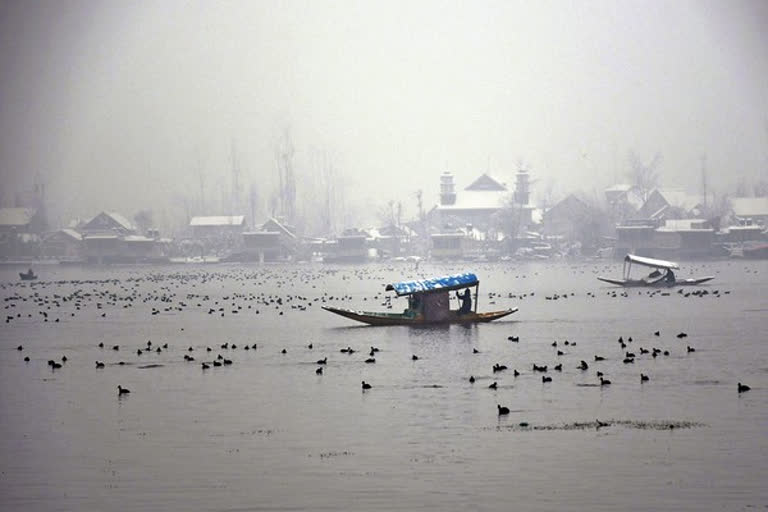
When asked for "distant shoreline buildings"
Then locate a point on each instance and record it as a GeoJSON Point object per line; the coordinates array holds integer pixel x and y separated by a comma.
{"type": "Point", "coordinates": [484, 220]}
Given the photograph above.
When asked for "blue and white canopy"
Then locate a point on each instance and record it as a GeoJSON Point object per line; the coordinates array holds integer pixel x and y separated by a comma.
{"type": "Point", "coordinates": [445, 283]}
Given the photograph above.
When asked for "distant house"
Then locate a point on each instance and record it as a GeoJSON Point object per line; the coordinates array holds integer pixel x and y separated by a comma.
{"type": "Point", "coordinates": [754, 208]}
{"type": "Point", "coordinates": [20, 230]}
{"type": "Point", "coordinates": [449, 246]}
{"type": "Point", "coordinates": [573, 220]}
{"type": "Point", "coordinates": [392, 241]}
{"type": "Point", "coordinates": [480, 203]}
{"type": "Point", "coordinates": [102, 247]}
{"type": "Point", "coordinates": [108, 223]}
{"type": "Point", "coordinates": [65, 244]}
{"type": "Point", "coordinates": [137, 248]}
{"type": "Point", "coordinates": [475, 205]}
{"type": "Point", "coordinates": [667, 203]}
{"type": "Point", "coordinates": [635, 237]}
{"type": "Point", "coordinates": [274, 242]}
{"type": "Point", "coordinates": [675, 238]}
{"type": "Point", "coordinates": [275, 225]}
{"type": "Point", "coordinates": [684, 238]}
{"type": "Point", "coordinates": [350, 247]}
{"type": "Point", "coordinates": [20, 220]}
{"type": "Point", "coordinates": [217, 226]}
{"type": "Point", "coordinates": [624, 201]}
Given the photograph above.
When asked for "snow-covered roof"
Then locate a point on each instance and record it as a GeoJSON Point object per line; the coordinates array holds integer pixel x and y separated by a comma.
{"type": "Point", "coordinates": [282, 228]}
{"type": "Point", "coordinates": [477, 200]}
{"type": "Point", "coordinates": [681, 199]}
{"type": "Point", "coordinates": [137, 238]}
{"type": "Point", "coordinates": [749, 206]}
{"type": "Point", "coordinates": [218, 220]}
{"type": "Point", "coordinates": [16, 216]}
{"type": "Point", "coordinates": [685, 225]}
{"type": "Point", "coordinates": [98, 222]}
{"type": "Point", "coordinates": [485, 182]}
{"type": "Point", "coordinates": [620, 187]}
{"type": "Point", "coordinates": [102, 236]}
{"type": "Point", "coordinates": [72, 233]}
{"type": "Point", "coordinates": [117, 217]}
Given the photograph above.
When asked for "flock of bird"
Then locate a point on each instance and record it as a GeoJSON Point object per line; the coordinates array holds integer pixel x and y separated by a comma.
{"type": "Point", "coordinates": [175, 293]}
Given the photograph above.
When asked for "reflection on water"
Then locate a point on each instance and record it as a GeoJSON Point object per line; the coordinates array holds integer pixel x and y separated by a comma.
{"type": "Point", "coordinates": [267, 432]}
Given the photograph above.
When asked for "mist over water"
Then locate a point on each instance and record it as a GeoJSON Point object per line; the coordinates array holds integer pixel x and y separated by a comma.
{"type": "Point", "coordinates": [268, 433]}
{"type": "Point", "coordinates": [128, 106]}
{"type": "Point", "coordinates": [527, 142]}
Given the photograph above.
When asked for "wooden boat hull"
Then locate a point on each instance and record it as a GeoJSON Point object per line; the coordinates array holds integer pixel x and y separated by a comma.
{"type": "Point", "coordinates": [26, 277]}
{"type": "Point", "coordinates": [400, 319]}
{"type": "Point", "coordinates": [632, 283]}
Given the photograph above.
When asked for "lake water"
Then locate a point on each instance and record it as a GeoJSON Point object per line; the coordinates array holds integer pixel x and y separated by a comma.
{"type": "Point", "coordinates": [267, 433]}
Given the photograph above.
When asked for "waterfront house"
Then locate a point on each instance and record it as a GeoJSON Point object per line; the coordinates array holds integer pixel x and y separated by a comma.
{"type": "Point", "coordinates": [217, 226]}
{"type": "Point", "coordinates": [752, 208]}
{"type": "Point", "coordinates": [63, 245]}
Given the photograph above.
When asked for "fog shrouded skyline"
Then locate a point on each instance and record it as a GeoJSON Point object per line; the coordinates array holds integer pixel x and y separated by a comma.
{"type": "Point", "coordinates": [125, 105]}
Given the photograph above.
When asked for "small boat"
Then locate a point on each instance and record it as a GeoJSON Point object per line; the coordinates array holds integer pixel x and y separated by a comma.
{"type": "Point", "coordinates": [662, 275]}
{"type": "Point", "coordinates": [755, 250]}
{"type": "Point", "coordinates": [428, 304]}
{"type": "Point", "coordinates": [28, 275]}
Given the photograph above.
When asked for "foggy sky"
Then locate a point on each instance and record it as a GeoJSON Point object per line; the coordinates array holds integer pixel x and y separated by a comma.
{"type": "Point", "coordinates": [116, 104]}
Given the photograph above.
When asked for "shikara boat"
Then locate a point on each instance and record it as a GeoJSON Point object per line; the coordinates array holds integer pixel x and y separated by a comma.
{"type": "Point", "coordinates": [662, 275]}
{"type": "Point", "coordinates": [27, 276]}
{"type": "Point", "coordinates": [428, 304]}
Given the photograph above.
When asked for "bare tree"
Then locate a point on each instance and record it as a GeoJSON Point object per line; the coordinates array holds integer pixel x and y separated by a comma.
{"type": "Point", "coordinates": [284, 154]}
{"type": "Point", "coordinates": [760, 188]}
{"type": "Point", "coordinates": [235, 201]}
{"type": "Point", "coordinates": [143, 220]}
{"type": "Point", "coordinates": [644, 175]}
{"type": "Point", "coordinates": [508, 220]}
{"type": "Point", "coordinates": [253, 198]}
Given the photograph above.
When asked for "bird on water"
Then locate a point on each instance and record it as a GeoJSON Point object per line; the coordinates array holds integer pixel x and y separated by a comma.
{"type": "Point", "coordinates": [122, 391]}
{"type": "Point", "coordinates": [502, 410]}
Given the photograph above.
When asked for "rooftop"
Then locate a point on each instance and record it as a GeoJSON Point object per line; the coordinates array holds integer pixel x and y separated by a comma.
{"type": "Point", "coordinates": [218, 220]}
{"type": "Point", "coordinates": [16, 216]}
{"type": "Point", "coordinates": [749, 206]}
{"type": "Point", "coordinates": [478, 200]}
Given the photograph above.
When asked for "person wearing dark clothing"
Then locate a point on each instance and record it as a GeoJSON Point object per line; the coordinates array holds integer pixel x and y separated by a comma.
{"type": "Point", "coordinates": [670, 277]}
{"type": "Point", "coordinates": [466, 301]}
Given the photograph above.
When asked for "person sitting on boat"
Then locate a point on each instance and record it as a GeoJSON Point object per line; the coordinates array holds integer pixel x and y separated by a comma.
{"type": "Point", "coordinates": [670, 277]}
{"type": "Point", "coordinates": [414, 305]}
{"type": "Point", "coordinates": [466, 301]}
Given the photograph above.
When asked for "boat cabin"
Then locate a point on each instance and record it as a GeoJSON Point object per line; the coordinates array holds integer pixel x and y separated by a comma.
{"type": "Point", "coordinates": [662, 270]}
{"type": "Point", "coordinates": [430, 298]}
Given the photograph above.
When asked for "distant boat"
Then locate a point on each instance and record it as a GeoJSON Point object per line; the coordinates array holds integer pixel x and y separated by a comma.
{"type": "Point", "coordinates": [755, 250]}
{"type": "Point", "coordinates": [662, 275]}
{"type": "Point", "coordinates": [428, 304]}
{"type": "Point", "coordinates": [28, 275]}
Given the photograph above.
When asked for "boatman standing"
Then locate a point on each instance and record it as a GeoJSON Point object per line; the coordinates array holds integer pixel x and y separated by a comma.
{"type": "Point", "coordinates": [466, 301]}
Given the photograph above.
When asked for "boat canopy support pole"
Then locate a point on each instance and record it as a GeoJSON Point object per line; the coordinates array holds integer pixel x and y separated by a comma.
{"type": "Point", "coordinates": [477, 295]}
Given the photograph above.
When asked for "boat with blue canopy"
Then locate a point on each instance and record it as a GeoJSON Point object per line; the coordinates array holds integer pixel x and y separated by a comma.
{"type": "Point", "coordinates": [662, 275]}
{"type": "Point", "coordinates": [429, 303]}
